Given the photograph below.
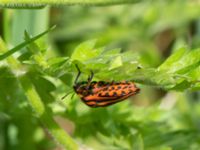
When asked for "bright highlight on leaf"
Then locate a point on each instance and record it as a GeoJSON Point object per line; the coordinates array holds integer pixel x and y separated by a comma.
{"type": "Point", "coordinates": [117, 62]}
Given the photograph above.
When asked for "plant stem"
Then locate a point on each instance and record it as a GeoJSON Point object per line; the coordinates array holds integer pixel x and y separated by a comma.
{"type": "Point", "coordinates": [23, 44]}
{"type": "Point", "coordinates": [40, 3]}
{"type": "Point", "coordinates": [58, 133]}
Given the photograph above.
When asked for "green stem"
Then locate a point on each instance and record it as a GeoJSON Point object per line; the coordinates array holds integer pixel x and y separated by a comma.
{"type": "Point", "coordinates": [10, 60]}
{"type": "Point", "coordinates": [6, 25]}
{"type": "Point", "coordinates": [58, 133]}
{"type": "Point", "coordinates": [23, 44]}
{"type": "Point", "coordinates": [40, 3]}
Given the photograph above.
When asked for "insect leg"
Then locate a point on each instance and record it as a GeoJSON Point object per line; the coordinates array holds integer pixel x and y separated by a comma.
{"type": "Point", "coordinates": [112, 82]}
{"type": "Point", "coordinates": [66, 95]}
{"type": "Point", "coordinates": [78, 75]}
{"type": "Point", "coordinates": [90, 79]}
{"type": "Point", "coordinates": [72, 96]}
{"type": "Point", "coordinates": [91, 76]}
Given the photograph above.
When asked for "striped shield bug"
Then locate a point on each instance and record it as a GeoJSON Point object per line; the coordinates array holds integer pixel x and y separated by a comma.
{"type": "Point", "coordinates": [101, 93]}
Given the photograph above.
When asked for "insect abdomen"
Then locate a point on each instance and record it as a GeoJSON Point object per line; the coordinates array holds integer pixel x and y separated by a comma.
{"type": "Point", "coordinates": [110, 94]}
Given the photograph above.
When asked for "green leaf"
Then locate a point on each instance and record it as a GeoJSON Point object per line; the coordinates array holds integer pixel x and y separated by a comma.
{"type": "Point", "coordinates": [57, 61]}
{"type": "Point", "coordinates": [58, 66]}
{"type": "Point", "coordinates": [182, 62]}
{"type": "Point", "coordinates": [194, 74]}
{"type": "Point", "coordinates": [190, 60]}
{"type": "Point", "coordinates": [189, 68]}
{"type": "Point", "coordinates": [130, 57]}
{"type": "Point", "coordinates": [86, 51]}
{"type": "Point", "coordinates": [112, 52]}
{"type": "Point", "coordinates": [173, 59]}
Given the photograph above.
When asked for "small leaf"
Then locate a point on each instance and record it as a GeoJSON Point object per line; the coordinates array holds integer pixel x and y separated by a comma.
{"type": "Point", "coordinates": [57, 67]}
{"type": "Point", "coordinates": [130, 56]}
{"type": "Point", "coordinates": [86, 51]}
{"type": "Point", "coordinates": [189, 68]}
{"type": "Point", "coordinates": [57, 62]}
{"type": "Point", "coordinates": [172, 59]}
{"type": "Point", "coordinates": [112, 52]}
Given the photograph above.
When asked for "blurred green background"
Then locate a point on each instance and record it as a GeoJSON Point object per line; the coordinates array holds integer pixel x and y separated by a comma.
{"type": "Point", "coordinates": [155, 119]}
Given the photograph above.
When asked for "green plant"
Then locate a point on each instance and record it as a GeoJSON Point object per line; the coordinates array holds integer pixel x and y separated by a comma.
{"type": "Point", "coordinates": [34, 77]}
{"type": "Point", "coordinates": [33, 70]}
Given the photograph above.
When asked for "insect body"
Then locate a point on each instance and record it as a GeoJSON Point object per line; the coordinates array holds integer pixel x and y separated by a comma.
{"type": "Point", "coordinates": [101, 94]}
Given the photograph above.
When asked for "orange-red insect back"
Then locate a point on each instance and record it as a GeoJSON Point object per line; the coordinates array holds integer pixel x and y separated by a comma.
{"type": "Point", "coordinates": [101, 94]}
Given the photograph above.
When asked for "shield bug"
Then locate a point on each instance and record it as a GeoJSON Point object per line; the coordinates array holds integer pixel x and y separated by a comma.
{"type": "Point", "coordinates": [101, 93]}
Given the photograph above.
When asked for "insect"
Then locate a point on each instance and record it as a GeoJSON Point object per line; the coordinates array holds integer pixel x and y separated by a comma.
{"type": "Point", "coordinates": [101, 93]}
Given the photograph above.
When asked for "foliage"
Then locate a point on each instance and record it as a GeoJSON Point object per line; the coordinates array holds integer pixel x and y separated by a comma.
{"type": "Point", "coordinates": [34, 78]}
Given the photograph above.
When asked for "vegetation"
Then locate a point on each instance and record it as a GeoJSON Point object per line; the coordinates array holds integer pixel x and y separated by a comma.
{"type": "Point", "coordinates": [154, 43]}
